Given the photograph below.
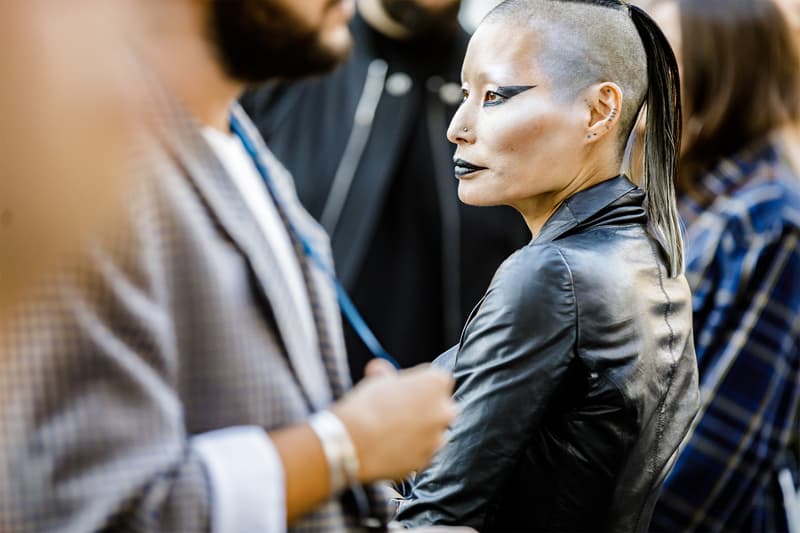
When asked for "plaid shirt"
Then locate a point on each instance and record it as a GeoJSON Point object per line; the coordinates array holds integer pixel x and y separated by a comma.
{"type": "Point", "coordinates": [743, 264]}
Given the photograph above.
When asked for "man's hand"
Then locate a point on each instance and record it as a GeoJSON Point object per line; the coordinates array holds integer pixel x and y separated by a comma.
{"type": "Point", "coordinates": [379, 367]}
{"type": "Point", "coordinates": [397, 420]}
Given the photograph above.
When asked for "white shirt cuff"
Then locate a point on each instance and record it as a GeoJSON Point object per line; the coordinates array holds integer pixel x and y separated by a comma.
{"type": "Point", "coordinates": [247, 480]}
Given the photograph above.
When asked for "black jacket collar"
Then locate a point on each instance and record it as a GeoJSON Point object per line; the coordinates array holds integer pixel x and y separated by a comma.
{"type": "Point", "coordinates": [614, 201]}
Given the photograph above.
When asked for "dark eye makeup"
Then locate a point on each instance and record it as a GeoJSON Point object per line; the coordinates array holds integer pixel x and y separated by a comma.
{"type": "Point", "coordinates": [500, 95]}
{"type": "Point", "coordinates": [510, 91]}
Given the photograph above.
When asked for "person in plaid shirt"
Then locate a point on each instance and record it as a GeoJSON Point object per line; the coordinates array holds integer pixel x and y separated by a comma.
{"type": "Point", "coordinates": [740, 202]}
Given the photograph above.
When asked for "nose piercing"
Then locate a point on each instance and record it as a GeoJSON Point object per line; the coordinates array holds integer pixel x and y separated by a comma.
{"type": "Point", "coordinates": [466, 130]}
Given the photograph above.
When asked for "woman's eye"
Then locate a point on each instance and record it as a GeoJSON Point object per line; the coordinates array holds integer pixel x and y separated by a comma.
{"type": "Point", "coordinates": [464, 95]}
{"type": "Point", "coordinates": [492, 98]}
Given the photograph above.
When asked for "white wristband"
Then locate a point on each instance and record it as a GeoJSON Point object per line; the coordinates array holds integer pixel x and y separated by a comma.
{"type": "Point", "coordinates": [338, 449]}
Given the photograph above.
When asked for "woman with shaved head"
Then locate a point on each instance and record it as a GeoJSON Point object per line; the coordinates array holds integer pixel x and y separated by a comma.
{"type": "Point", "coordinates": [576, 373]}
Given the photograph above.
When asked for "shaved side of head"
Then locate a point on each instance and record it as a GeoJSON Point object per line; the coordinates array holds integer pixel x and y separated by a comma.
{"type": "Point", "coordinates": [584, 44]}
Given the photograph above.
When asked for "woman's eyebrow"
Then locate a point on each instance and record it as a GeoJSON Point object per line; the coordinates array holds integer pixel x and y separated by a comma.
{"type": "Point", "coordinates": [510, 91]}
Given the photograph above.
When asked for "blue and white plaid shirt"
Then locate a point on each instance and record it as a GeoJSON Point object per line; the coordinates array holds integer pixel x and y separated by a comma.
{"type": "Point", "coordinates": [743, 264]}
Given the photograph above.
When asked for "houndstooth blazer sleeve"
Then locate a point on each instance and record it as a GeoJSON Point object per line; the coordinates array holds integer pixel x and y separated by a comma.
{"type": "Point", "coordinates": [101, 426]}
{"type": "Point", "coordinates": [139, 383]}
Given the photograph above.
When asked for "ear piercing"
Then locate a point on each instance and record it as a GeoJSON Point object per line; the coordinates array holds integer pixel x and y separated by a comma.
{"type": "Point", "coordinates": [611, 116]}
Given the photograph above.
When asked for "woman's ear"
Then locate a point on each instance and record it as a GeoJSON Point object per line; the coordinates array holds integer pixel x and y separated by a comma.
{"type": "Point", "coordinates": [604, 104]}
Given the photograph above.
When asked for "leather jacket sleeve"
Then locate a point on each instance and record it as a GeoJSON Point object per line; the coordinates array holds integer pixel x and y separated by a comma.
{"type": "Point", "coordinates": [514, 353]}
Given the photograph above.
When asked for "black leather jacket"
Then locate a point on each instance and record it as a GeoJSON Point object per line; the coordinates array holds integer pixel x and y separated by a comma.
{"type": "Point", "coordinates": [576, 378]}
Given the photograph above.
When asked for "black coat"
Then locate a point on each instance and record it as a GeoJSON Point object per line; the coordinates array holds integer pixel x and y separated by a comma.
{"type": "Point", "coordinates": [576, 378]}
{"type": "Point", "coordinates": [344, 138]}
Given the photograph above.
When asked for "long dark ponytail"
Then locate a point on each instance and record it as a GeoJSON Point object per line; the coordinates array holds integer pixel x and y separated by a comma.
{"type": "Point", "coordinates": [662, 138]}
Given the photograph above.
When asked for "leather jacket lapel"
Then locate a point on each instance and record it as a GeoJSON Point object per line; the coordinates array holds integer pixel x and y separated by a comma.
{"type": "Point", "coordinates": [584, 207]}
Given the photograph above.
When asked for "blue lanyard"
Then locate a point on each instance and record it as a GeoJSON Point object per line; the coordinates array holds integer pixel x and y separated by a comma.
{"type": "Point", "coordinates": [348, 308]}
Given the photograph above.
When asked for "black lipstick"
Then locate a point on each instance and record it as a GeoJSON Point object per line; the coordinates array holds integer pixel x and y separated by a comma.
{"type": "Point", "coordinates": [464, 168]}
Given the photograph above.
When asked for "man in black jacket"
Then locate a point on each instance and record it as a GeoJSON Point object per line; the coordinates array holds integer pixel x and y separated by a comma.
{"type": "Point", "coordinates": [368, 151]}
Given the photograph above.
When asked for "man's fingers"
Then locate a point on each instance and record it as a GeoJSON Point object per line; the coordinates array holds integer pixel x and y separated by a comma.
{"type": "Point", "coordinates": [379, 367]}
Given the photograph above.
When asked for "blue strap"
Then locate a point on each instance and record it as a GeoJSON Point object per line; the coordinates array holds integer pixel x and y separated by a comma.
{"type": "Point", "coordinates": [346, 304]}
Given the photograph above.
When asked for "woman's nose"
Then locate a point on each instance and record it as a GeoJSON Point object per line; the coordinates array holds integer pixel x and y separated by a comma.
{"type": "Point", "coordinates": [460, 130]}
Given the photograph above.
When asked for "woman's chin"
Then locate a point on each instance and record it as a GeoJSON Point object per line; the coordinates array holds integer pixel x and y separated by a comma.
{"type": "Point", "coordinates": [474, 194]}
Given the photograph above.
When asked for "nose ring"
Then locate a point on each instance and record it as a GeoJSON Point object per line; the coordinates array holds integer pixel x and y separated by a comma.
{"type": "Point", "coordinates": [466, 130]}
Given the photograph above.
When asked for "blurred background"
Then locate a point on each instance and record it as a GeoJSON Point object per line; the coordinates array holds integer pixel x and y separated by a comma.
{"type": "Point", "coordinates": [74, 104]}
{"type": "Point", "coordinates": [71, 99]}
{"type": "Point", "coordinates": [472, 11]}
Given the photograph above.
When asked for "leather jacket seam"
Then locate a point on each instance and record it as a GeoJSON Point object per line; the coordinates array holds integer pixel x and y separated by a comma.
{"type": "Point", "coordinates": [580, 220]}
{"type": "Point", "coordinates": [575, 219]}
{"type": "Point", "coordinates": [671, 377]}
{"type": "Point", "coordinates": [629, 410]}
{"type": "Point", "coordinates": [574, 299]}
{"type": "Point", "coordinates": [616, 226]}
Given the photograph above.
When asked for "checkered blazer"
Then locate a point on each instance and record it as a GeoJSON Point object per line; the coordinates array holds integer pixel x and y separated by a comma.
{"type": "Point", "coordinates": [137, 376]}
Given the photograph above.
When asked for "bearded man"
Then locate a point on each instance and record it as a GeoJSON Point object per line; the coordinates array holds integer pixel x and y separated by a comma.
{"type": "Point", "coordinates": [381, 181]}
{"type": "Point", "coordinates": [188, 372]}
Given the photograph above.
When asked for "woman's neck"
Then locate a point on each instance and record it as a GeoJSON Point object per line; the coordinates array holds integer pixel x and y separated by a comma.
{"type": "Point", "coordinates": [538, 209]}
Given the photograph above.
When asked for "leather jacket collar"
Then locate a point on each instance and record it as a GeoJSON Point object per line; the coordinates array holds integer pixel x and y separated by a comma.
{"type": "Point", "coordinates": [617, 199]}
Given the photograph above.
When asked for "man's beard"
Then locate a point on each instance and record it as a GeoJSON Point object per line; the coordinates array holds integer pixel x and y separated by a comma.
{"type": "Point", "coordinates": [260, 40]}
{"type": "Point", "coordinates": [423, 23]}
